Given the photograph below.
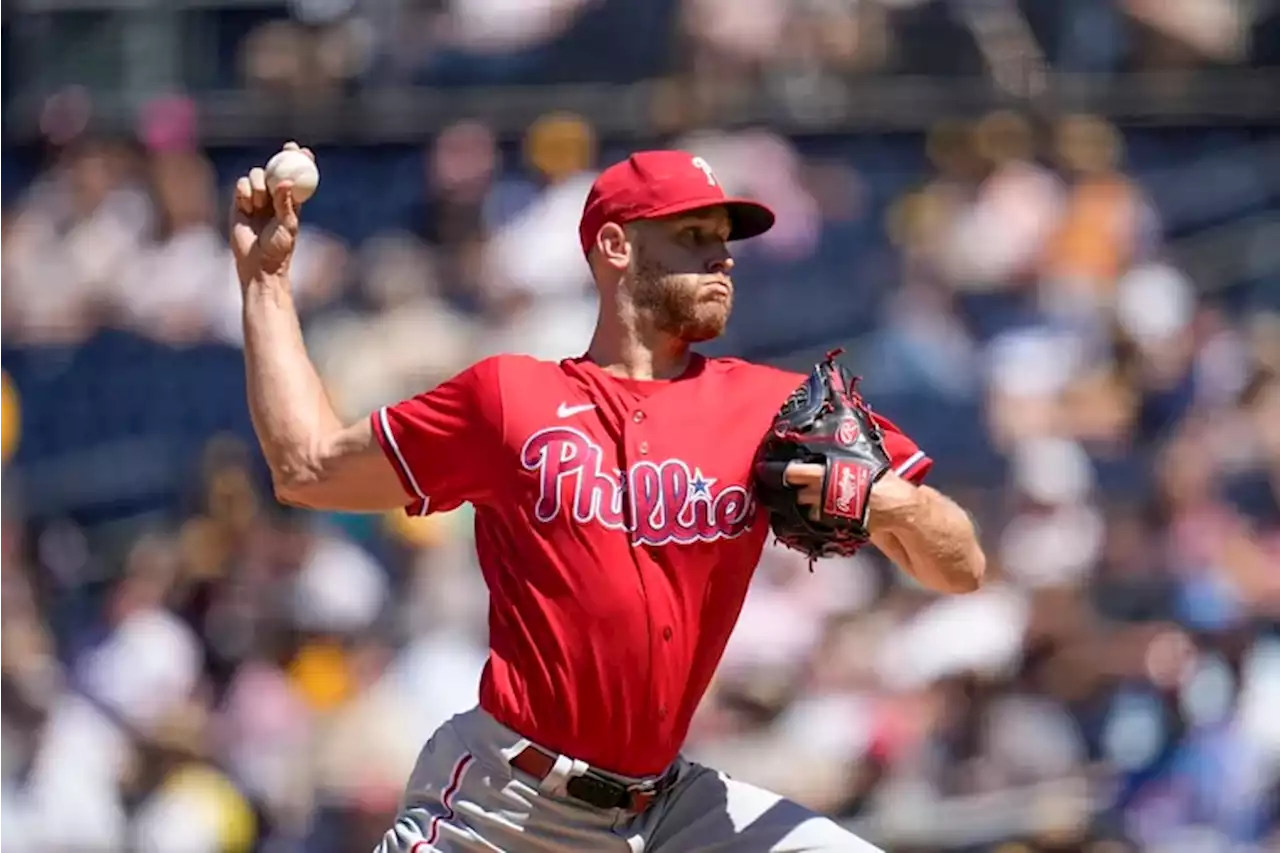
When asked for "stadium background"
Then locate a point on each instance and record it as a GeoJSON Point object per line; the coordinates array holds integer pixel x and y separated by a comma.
{"type": "Point", "coordinates": [1046, 231]}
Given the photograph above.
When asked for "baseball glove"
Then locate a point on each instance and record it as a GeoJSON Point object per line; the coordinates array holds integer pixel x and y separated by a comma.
{"type": "Point", "coordinates": [824, 421]}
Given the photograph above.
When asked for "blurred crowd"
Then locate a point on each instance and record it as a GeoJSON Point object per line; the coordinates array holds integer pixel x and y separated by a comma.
{"type": "Point", "coordinates": [319, 49]}
{"type": "Point", "coordinates": [263, 678]}
{"type": "Point", "coordinates": [1080, 324]}
{"type": "Point", "coordinates": [323, 46]}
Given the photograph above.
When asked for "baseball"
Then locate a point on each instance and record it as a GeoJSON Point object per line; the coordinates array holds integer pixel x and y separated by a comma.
{"type": "Point", "coordinates": [293, 166]}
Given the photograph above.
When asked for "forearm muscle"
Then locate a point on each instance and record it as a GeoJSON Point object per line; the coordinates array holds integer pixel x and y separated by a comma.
{"type": "Point", "coordinates": [929, 536]}
{"type": "Point", "coordinates": [291, 413]}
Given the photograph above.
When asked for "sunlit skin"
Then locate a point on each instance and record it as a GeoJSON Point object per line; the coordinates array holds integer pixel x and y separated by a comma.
{"type": "Point", "coordinates": [681, 276]}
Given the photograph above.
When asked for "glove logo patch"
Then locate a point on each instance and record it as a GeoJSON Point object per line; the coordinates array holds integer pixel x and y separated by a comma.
{"type": "Point", "coordinates": [848, 432]}
{"type": "Point", "coordinates": [846, 485]}
{"type": "Point", "coordinates": [658, 503]}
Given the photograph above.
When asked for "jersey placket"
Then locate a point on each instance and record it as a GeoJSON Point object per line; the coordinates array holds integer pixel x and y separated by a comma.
{"type": "Point", "coordinates": [652, 582]}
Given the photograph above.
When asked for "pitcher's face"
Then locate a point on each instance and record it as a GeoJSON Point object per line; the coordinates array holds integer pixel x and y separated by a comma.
{"type": "Point", "coordinates": [680, 273]}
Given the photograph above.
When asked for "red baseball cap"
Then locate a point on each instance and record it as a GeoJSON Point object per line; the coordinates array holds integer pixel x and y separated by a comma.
{"type": "Point", "coordinates": [653, 184]}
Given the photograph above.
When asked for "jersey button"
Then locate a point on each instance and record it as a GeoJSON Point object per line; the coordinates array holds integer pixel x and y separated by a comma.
{"type": "Point", "coordinates": [666, 633]}
{"type": "Point", "coordinates": [638, 416]}
{"type": "Point", "coordinates": [644, 448]}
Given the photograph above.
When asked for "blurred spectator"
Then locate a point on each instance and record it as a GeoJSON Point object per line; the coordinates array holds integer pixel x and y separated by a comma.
{"type": "Point", "coordinates": [175, 288]}
{"type": "Point", "coordinates": [1055, 535]}
{"type": "Point", "coordinates": [1106, 224]}
{"type": "Point", "coordinates": [995, 243]}
{"type": "Point", "coordinates": [313, 58]}
{"type": "Point", "coordinates": [538, 282]}
{"type": "Point", "coordinates": [1180, 34]}
{"type": "Point", "coordinates": [75, 232]}
{"type": "Point", "coordinates": [369, 357]}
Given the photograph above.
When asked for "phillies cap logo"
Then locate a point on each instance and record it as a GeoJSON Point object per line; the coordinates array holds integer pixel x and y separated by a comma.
{"type": "Point", "coordinates": [847, 433]}
{"type": "Point", "coordinates": [705, 168]}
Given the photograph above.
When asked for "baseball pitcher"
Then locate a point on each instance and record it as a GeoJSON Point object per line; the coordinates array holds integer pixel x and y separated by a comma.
{"type": "Point", "coordinates": [622, 499]}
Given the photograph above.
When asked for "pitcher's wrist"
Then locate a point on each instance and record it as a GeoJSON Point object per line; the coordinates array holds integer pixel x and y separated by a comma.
{"type": "Point", "coordinates": [266, 281]}
{"type": "Point", "coordinates": [893, 502]}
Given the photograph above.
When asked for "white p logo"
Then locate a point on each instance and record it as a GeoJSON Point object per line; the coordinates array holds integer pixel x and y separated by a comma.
{"type": "Point", "coordinates": [705, 167]}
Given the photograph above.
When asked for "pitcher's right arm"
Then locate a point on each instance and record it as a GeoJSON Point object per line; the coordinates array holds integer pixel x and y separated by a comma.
{"type": "Point", "coordinates": [433, 451]}
{"type": "Point", "coordinates": [315, 460]}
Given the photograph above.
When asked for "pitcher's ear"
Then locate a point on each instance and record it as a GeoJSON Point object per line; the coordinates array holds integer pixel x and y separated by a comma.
{"type": "Point", "coordinates": [614, 246]}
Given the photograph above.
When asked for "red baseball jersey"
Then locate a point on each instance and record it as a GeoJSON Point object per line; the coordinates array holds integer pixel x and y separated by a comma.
{"type": "Point", "coordinates": [616, 530]}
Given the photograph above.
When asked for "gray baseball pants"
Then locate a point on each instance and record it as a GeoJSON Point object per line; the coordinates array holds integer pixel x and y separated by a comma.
{"type": "Point", "coordinates": [463, 795]}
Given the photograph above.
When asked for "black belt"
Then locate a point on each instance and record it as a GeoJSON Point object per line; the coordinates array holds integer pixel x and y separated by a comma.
{"type": "Point", "coordinates": [593, 788]}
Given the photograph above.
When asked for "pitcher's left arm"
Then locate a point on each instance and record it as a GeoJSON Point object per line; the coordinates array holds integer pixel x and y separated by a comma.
{"type": "Point", "coordinates": [928, 535]}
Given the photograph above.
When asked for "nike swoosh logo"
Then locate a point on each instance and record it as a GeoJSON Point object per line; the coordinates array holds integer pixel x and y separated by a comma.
{"type": "Point", "coordinates": [567, 411]}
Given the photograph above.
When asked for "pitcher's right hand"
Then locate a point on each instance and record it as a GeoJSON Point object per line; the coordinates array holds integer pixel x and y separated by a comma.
{"type": "Point", "coordinates": [264, 228]}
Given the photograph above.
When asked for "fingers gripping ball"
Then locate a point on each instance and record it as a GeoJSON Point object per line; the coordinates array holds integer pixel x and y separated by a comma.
{"type": "Point", "coordinates": [296, 167]}
{"type": "Point", "coordinates": [827, 422]}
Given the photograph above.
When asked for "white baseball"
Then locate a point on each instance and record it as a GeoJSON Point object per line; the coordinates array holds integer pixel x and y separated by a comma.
{"type": "Point", "coordinates": [293, 166]}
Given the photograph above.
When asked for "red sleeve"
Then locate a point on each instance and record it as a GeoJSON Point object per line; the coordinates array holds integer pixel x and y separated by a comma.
{"type": "Point", "coordinates": [444, 444]}
{"type": "Point", "coordinates": [909, 461]}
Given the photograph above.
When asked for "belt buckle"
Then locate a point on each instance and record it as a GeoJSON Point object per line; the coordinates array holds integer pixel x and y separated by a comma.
{"type": "Point", "coordinates": [599, 792]}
